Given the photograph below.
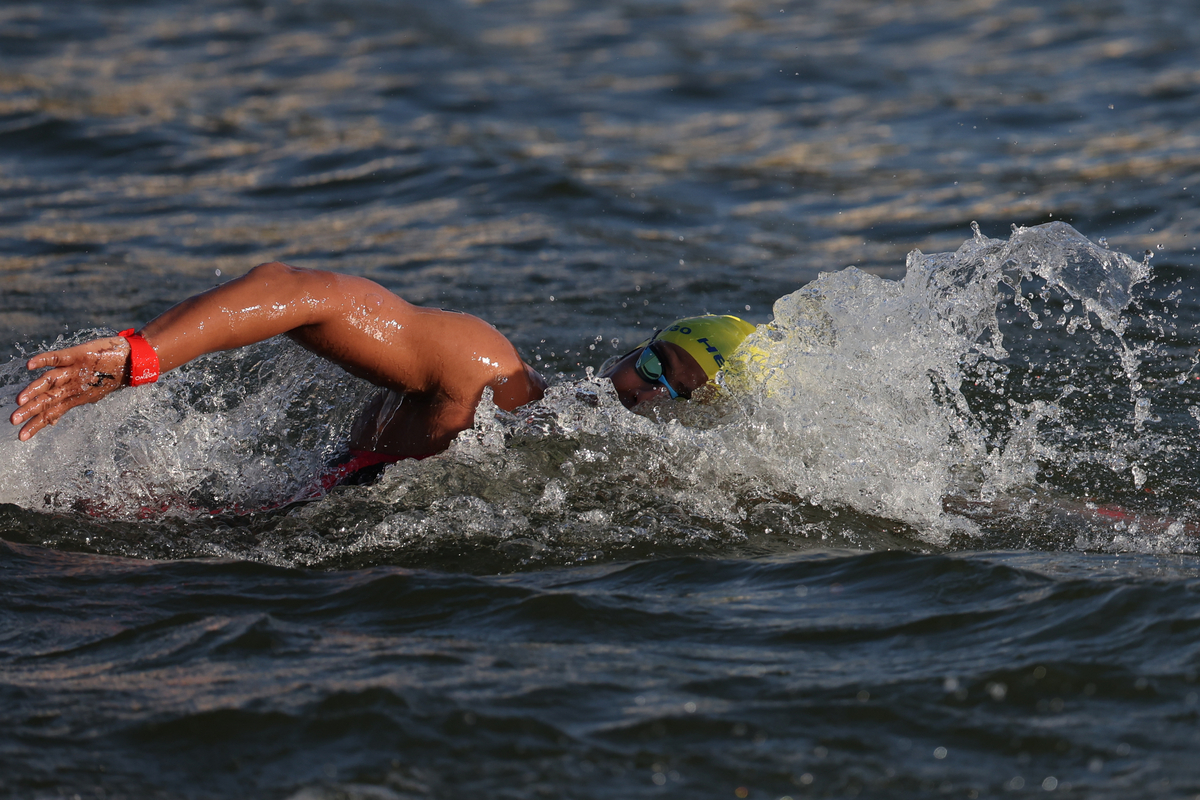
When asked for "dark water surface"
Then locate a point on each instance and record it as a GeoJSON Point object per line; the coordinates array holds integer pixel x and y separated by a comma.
{"type": "Point", "coordinates": [945, 544]}
{"type": "Point", "coordinates": [887, 674]}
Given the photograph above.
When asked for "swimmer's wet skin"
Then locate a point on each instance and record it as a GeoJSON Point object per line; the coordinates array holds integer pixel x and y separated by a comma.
{"type": "Point", "coordinates": [434, 364]}
{"type": "Point", "coordinates": [440, 362]}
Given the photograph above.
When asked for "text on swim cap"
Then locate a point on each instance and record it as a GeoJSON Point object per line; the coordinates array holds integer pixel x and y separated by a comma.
{"type": "Point", "coordinates": [717, 358]}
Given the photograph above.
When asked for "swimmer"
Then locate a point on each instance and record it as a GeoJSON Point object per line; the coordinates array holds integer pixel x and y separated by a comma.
{"type": "Point", "coordinates": [434, 365]}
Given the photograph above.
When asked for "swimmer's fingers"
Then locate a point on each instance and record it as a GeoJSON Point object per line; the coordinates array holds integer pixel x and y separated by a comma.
{"type": "Point", "coordinates": [51, 388]}
{"type": "Point", "coordinates": [52, 414]}
{"type": "Point", "coordinates": [87, 363]}
{"type": "Point", "coordinates": [57, 383]}
{"type": "Point", "coordinates": [48, 381]}
{"type": "Point", "coordinates": [30, 405]}
{"type": "Point", "coordinates": [33, 426]}
{"type": "Point", "coordinates": [47, 407]}
{"type": "Point", "coordinates": [51, 358]}
{"type": "Point", "coordinates": [82, 374]}
{"type": "Point", "coordinates": [81, 354]}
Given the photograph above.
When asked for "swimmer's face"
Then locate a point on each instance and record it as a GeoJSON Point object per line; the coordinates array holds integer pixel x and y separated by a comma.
{"type": "Point", "coordinates": [633, 375]}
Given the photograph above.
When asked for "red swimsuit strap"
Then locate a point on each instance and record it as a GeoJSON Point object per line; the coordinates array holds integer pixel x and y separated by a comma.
{"type": "Point", "coordinates": [360, 459]}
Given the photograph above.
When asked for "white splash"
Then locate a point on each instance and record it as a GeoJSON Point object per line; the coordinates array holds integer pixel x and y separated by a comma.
{"type": "Point", "coordinates": [863, 395]}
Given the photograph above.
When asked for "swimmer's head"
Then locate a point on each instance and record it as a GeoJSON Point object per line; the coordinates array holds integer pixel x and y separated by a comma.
{"type": "Point", "coordinates": [709, 339]}
{"type": "Point", "coordinates": [677, 360]}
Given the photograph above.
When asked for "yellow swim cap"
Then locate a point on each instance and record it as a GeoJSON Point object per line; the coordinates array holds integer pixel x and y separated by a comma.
{"type": "Point", "coordinates": [710, 339]}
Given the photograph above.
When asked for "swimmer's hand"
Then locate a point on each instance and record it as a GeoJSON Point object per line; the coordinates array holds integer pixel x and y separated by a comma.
{"type": "Point", "coordinates": [82, 374]}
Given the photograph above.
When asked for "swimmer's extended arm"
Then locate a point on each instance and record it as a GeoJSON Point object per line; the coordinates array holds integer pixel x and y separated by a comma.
{"type": "Point", "coordinates": [351, 321]}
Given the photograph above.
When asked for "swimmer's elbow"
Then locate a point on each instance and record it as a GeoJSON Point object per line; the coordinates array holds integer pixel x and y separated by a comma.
{"type": "Point", "coordinates": [537, 384]}
{"type": "Point", "coordinates": [272, 271]}
{"type": "Point", "coordinates": [283, 280]}
{"type": "Point", "coordinates": [513, 391]}
{"type": "Point", "coordinates": [301, 296]}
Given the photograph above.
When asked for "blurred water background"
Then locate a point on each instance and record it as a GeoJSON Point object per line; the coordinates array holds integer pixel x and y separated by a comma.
{"type": "Point", "coordinates": [944, 545]}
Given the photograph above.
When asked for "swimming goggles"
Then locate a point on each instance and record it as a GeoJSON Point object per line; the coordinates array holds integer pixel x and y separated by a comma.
{"type": "Point", "coordinates": [649, 368]}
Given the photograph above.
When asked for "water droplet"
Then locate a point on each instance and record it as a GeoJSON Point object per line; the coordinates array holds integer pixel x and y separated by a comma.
{"type": "Point", "coordinates": [1139, 479]}
{"type": "Point", "coordinates": [1104, 239]}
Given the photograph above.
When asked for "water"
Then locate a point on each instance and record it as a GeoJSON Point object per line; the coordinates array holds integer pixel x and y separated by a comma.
{"type": "Point", "coordinates": [885, 673]}
{"type": "Point", "coordinates": [938, 537]}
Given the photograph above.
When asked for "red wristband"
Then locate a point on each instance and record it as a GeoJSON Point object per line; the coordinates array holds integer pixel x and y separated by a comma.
{"type": "Point", "coordinates": [143, 361]}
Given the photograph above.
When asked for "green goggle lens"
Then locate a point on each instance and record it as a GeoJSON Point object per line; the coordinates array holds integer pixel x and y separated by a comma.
{"type": "Point", "coordinates": [649, 367]}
